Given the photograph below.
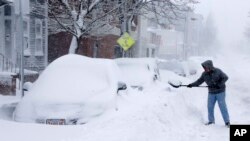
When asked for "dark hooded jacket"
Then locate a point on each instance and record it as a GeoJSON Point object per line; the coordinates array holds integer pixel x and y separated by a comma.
{"type": "Point", "coordinates": [215, 78]}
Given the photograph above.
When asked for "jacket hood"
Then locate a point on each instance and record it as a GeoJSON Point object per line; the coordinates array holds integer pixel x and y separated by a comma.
{"type": "Point", "coordinates": [208, 64]}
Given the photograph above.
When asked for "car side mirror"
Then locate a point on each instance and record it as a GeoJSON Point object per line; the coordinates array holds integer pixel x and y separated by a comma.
{"type": "Point", "coordinates": [27, 86]}
{"type": "Point", "coordinates": [121, 86]}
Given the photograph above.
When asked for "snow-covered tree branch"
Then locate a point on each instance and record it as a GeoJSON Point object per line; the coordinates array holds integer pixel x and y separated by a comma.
{"type": "Point", "coordinates": [82, 17]}
{"type": "Point", "coordinates": [78, 17]}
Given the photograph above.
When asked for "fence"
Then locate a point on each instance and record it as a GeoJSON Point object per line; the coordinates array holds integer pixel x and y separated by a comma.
{"type": "Point", "coordinates": [6, 64]}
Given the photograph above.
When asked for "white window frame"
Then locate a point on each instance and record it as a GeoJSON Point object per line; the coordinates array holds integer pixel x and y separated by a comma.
{"type": "Point", "coordinates": [38, 52]}
{"type": "Point", "coordinates": [26, 34]}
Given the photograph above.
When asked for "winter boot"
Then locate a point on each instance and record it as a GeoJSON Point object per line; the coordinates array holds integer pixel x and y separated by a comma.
{"type": "Point", "coordinates": [227, 124]}
{"type": "Point", "coordinates": [209, 123]}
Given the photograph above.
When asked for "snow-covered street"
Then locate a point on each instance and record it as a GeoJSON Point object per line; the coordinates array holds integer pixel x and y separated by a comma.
{"type": "Point", "coordinates": [159, 113]}
{"type": "Point", "coordinates": [124, 70]}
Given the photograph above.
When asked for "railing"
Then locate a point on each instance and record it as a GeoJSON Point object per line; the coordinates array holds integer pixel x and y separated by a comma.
{"type": "Point", "coordinates": [7, 65]}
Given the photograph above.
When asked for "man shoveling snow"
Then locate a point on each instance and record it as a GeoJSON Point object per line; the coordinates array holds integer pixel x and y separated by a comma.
{"type": "Point", "coordinates": [215, 79]}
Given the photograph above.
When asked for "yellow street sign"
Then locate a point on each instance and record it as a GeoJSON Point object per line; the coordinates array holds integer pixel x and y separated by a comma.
{"type": "Point", "coordinates": [126, 41]}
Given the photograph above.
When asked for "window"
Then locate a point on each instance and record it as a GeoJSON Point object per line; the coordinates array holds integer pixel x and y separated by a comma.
{"type": "Point", "coordinates": [26, 45]}
{"type": "Point", "coordinates": [7, 10]}
{"type": "Point", "coordinates": [147, 52]}
{"type": "Point", "coordinates": [153, 53]}
{"type": "Point", "coordinates": [38, 28]}
{"type": "Point", "coordinates": [8, 38]}
{"type": "Point", "coordinates": [153, 38]}
{"type": "Point", "coordinates": [39, 50]}
{"type": "Point", "coordinates": [7, 25]}
{"type": "Point", "coordinates": [38, 40]}
{"type": "Point", "coordinates": [25, 27]}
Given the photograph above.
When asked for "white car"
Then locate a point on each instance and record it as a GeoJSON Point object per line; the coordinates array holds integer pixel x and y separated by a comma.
{"type": "Point", "coordinates": [71, 90]}
{"type": "Point", "coordinates": [139, 72]}
{"type": "Point", "coordinates": [181, 68]}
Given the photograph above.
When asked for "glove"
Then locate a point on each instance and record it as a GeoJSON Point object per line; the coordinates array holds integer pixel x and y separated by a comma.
{"type": "Point", "coordinates": [189, 85]}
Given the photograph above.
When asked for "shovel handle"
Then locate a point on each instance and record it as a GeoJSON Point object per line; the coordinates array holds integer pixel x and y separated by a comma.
{"type": "Point", "coordinates": [177, 86]}
{"type": "Point", "coordinates": [194, 86]}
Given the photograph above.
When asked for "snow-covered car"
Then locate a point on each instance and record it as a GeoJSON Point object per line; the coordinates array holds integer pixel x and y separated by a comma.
{"type": "Point", "coordinates": [71, 90]}
{"type": "Point", "coordinates": [182, 68]}
{"type": "Point", "coordinates": [139, 72]}
{"type": "Point", "coordinates": [174, 66]}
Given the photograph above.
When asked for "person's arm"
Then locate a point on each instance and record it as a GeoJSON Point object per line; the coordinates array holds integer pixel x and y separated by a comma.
{"type": "Point", "coordinates": [197, 82]}
{"type": "Point", "coordinates": [223, 78]}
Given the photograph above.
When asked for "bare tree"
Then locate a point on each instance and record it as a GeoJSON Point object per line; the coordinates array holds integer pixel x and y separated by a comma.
{"type": "Point", "coordinates": [78, 17]}
{"type": "Point", "coordinates": [82, 17]}
{"type": "Point", "coordinates": [170, 10]}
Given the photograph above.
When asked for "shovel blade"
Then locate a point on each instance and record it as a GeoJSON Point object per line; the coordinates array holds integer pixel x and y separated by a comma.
{"type": "Point", "coordinates": [174, 85]}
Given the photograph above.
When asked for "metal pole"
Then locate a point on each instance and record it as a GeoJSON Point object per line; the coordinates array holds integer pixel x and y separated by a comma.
{"type": "Point", "coordinates": [21, 54]}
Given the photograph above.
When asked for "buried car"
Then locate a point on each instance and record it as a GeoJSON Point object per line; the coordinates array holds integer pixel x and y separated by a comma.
{"type": "Point", "coordinates": [139, 72]}
{"type": "Point", "coordinates": [181, 68]}
{"type": "Point", "coordinates": [71, 90]}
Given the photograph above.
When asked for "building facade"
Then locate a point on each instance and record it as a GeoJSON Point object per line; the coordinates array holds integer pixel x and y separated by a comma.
{"type": "Point", "coordinates": [23, 33]}
{"type": "Point", "coordinates": [26, 24]}
{"type": "Point", "coordinates": [7, 36]}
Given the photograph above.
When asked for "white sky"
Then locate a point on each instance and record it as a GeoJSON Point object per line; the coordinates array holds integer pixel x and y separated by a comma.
{"type": "Point", "coordinates": [231, 17]}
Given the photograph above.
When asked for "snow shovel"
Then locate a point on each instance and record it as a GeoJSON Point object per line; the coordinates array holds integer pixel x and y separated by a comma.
{"type": "Point", "coordinates": [180, 85]}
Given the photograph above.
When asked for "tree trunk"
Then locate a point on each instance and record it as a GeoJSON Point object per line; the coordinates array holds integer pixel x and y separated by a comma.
{"type": "Point", "coordinates": [75, 44]}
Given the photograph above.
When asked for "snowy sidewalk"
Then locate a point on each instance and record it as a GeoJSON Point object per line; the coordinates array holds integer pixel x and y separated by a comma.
{"type": "Point", "coordinates": [5, 100]}
{"type": "Point", "coordinates": [8, 100]}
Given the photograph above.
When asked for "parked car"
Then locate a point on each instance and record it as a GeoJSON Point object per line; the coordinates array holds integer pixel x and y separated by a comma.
{"type": "Point", "coordinates": [139, 72]}
{"type": "Point", "coordinates": [181, 68]}
{"type": "Point", "coordinates": [72, 90]}
{"type": "Point", "coordinates": [174, 66]}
